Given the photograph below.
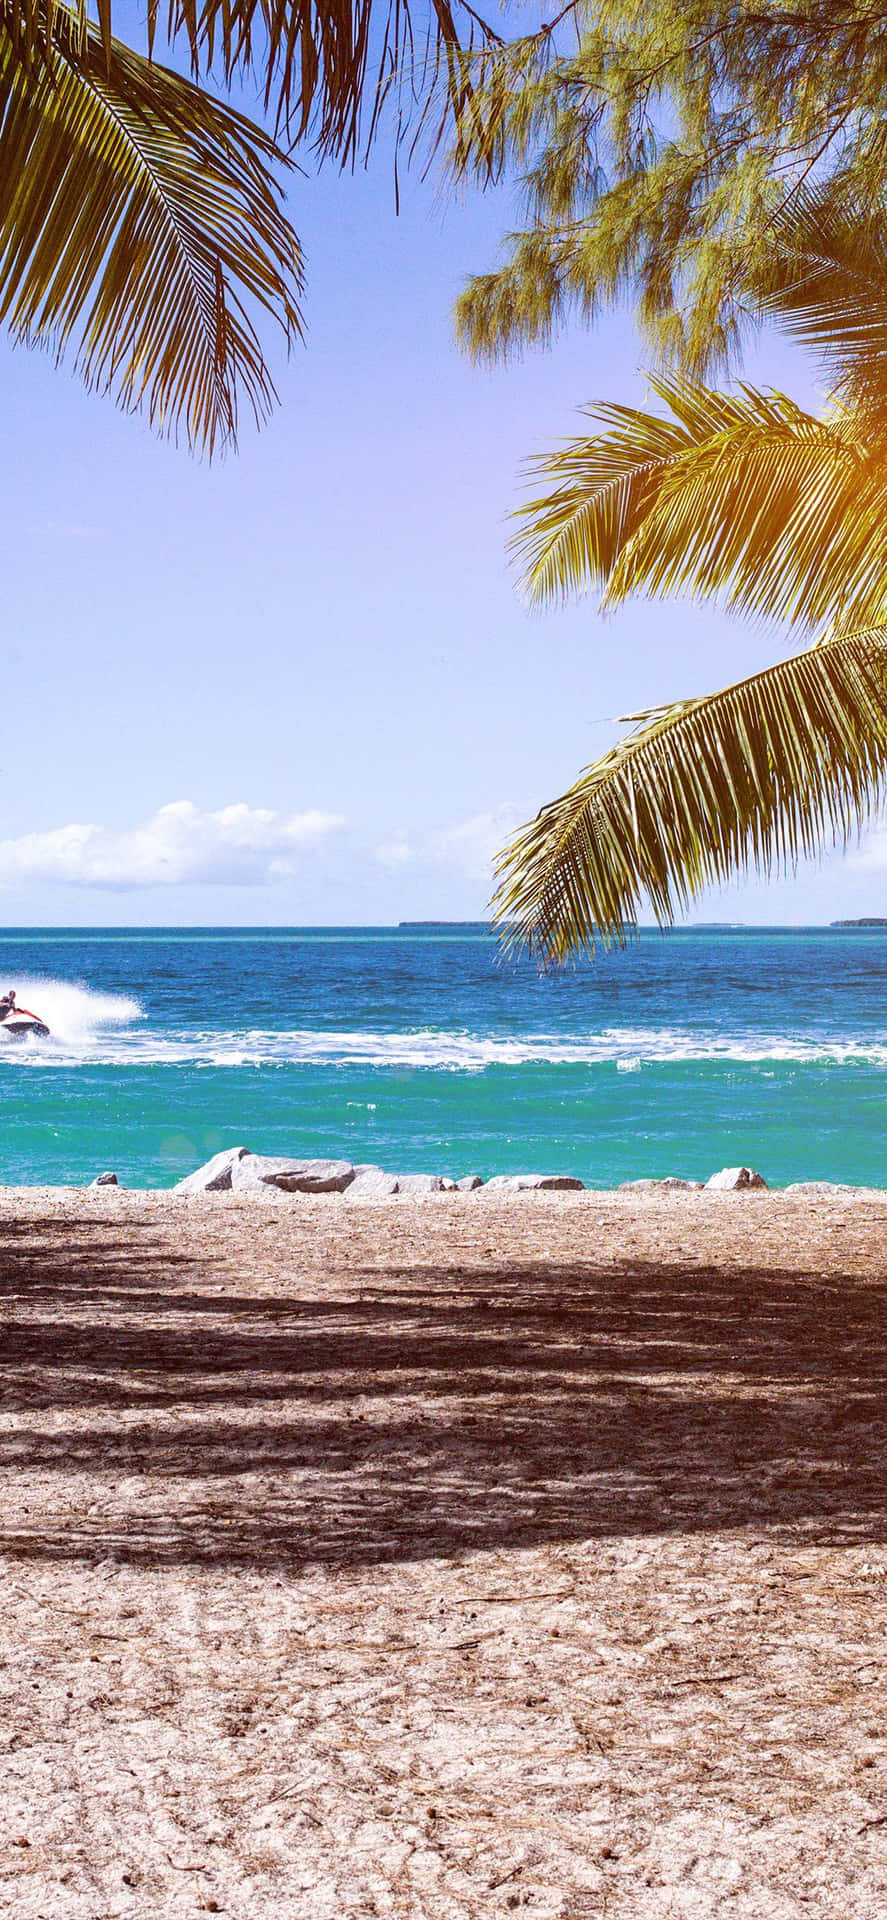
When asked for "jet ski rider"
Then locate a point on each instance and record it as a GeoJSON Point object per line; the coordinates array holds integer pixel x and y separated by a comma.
{"type": "Point", "coordinates": [7, 1003]}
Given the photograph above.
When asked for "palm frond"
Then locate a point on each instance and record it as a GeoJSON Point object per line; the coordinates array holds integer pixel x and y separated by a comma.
{"type": "Point", "coordinates": [606, 484]}
{"type": "Point", "coordinates": [325, 64]}
{"type": "Point", "coordinates": [141, 230]}
{"type": "Point", "coordinates": [826, 285]}
{"type": "Point", "coordinates": [36, 30]}
{"type": "Point", "coordinates": [745, 495]}
{"type": "Point", "coordinates": [754, 776]}
{"type": "Point", "coordinates": [330, 65]}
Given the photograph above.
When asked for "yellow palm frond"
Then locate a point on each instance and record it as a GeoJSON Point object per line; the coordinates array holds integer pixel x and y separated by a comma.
{"type": "Point", "coordinates": [746, 496]}
{"type": "Point", "coordinates": [604, 485]}
{"type": "Point", "coordinates": [826, 285]}
{"type": "Point", "coordinates": [330, 65]}
{"type": "Point", "coordinates": [327, 65]}
{"type": "Point", "coordinates": [754, 776]}
{"type": "Point", "coordinates": [140, 229]}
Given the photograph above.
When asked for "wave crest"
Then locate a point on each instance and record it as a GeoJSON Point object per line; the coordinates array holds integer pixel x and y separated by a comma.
{"type": "Point", "coordinates": [99, 1029]}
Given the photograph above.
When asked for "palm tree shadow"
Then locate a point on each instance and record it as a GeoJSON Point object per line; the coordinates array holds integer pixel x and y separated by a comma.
{"type": "Point", "coordinates": [162, 1420]}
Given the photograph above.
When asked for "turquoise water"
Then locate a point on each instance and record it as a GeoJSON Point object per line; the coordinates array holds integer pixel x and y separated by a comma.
{"type": "Point", "coordinates": [420, 1051]}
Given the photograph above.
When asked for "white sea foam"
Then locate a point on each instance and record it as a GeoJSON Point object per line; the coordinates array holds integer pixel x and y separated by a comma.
{"type": "Point", "coordinates": [78, 1019]}
{"type": "Point", "coordinates": [109, 1030]}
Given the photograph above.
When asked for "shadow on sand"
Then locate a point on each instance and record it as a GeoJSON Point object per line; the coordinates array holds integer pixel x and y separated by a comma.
{"type": "Point", "coordinates": [447, 1409]}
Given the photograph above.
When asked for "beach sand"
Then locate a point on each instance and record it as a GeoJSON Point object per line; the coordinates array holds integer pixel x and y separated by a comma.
{"type": "Point", "coordinates": [447, 1558]}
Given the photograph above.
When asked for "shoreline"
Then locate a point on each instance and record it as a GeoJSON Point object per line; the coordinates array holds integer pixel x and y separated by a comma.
{"type": "Point", "coordinates": [238, 1170]}
{"type": "Point", "coordinates": [631, 1193]}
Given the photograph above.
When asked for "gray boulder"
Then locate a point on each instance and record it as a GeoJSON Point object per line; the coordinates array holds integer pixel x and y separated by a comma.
{"type": "Point", "coordinates": [671, 1184]}
{"type": "Point", "coordinates": [534, 1183]}
{"type": "Point", "coordinates": [419, 1183]}
{"type": "Point", "coordinates": [256, 1170]}
{"type": "Point", "coordinates": [215, 1176]}
{"type": "Point", "coordinates": [735, 1180]}
{"type": "Point", "coordinates": [372, 1184]}
{"type": "Point", "coordinates": [469, 1183]}
{"type": "Point", "coordinates": [105, 1180]}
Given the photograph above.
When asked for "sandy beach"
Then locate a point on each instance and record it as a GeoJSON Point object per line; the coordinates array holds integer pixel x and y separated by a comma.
{"type": "Point", "coordinates": [443, 1558]}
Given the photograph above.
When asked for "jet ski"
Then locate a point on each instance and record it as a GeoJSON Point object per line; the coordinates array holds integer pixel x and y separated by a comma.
{"type": "Point", "coordinates": [20, 1023]}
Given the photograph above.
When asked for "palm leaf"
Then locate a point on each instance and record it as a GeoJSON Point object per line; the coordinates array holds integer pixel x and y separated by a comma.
{"type": "Point", "coordinates": [744, 495]}
{"type": "Point", "coordinates": [605, 485]}
{"type": "Point", "coordinates": [332, 64]}
{"type": "Point", "coordinates": [826, 285]}
{"type": "Point", "coordinates": [754, 776]}
{"type": "Point", "coordinates": [324, 64]}
{"type": "Point", "coordinates": [141, 230]}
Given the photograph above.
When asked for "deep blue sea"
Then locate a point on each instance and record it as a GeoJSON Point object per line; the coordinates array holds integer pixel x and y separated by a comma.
{"type": "Point", "coordinates": [420, 1050]}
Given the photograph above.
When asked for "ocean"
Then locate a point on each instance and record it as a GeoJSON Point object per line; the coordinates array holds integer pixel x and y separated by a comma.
{"type": "Point", "coordinates": [419, 1049]}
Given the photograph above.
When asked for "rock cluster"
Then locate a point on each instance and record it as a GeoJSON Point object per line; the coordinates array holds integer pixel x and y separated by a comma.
{"type": "Point", "coordinates": [240, 1171]}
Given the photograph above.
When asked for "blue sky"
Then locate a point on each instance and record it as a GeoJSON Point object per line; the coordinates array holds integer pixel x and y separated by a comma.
{"type": "Point", "coordinates": [299, 686]}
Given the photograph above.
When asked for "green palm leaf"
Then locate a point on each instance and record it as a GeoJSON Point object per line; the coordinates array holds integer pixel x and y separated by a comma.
{"type": "Point", "coordinates": [604, 487]}
{"type": "Point", "coordinates": [746, 495]}
{"type": "Point", "coordinates": [140, 229]}
{"type": "Point", "coordinates": [754, 776]}
{"type": "Point", "coordinates": [782, 514]}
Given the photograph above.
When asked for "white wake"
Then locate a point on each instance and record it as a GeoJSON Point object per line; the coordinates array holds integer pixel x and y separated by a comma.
{"type": "Point", "coordinates": [76, 1016]}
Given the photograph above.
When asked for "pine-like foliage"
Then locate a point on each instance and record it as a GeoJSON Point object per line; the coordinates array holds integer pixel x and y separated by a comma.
{"type": "Point", "coordinates": [746, 497]}
{"type": "Point", "coordinates": [656, 143]}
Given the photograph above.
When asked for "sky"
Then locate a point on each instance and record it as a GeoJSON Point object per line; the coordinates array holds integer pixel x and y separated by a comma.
{"type": "Point", "coordinates": [298, 686]}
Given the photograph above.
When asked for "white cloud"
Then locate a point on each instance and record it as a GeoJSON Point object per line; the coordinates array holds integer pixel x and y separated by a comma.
{"type": "Point", "coordinates": [473, 844]}
{"type": "Point", "coordinates": [236, 846]}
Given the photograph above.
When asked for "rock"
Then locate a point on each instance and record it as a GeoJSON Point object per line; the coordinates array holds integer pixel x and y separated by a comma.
{"type": "Point", "coordinates": [372, 1184]}
{"type": "Point", "coordinates": [735, 1180]}
{"type": "Point", "coordinates": [291, 1176]}
{"type": "Point", "coordinates": [105, 1180]}
{"type": "Point", "coordinates": [448, 1185]}
{"type": "Point", "coordinates": [671, 1184]}
{"type": "Point", "coordinates": [534, 1183]}
{"type": "Point", "coordinates": [469, 1183]}
{"type": "Point", "coordinates": [419, 1183]}
{"type": "Point", "coordinates": [215, 1176]}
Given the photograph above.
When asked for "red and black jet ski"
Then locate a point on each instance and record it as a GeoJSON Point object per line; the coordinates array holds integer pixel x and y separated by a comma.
{"type": "Point", "coordinates": [19, 1023]}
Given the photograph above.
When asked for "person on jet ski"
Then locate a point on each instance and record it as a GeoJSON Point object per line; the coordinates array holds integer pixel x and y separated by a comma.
{"type": "Point", "coordinates": [7, 1003]}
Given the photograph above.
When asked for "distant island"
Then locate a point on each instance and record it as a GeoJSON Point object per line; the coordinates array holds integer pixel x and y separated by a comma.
{"type": "Point", "coordinates": [871, 921]}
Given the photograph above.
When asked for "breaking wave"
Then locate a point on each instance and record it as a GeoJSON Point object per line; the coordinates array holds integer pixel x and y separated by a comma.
{"type": "Point", "coordinates": [109, 1030]}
